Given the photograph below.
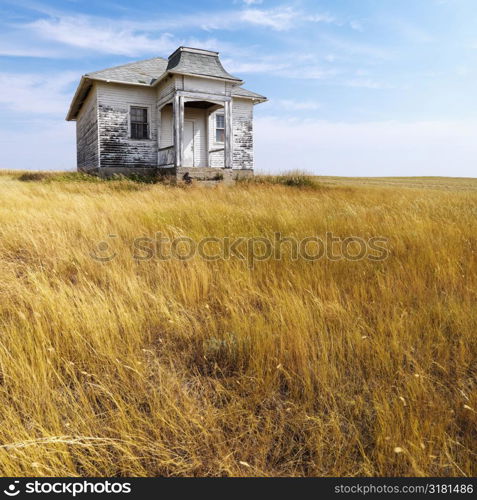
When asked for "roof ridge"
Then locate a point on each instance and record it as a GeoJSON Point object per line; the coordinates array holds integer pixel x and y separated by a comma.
{"type": "Point", "coordinates": [127, 64]}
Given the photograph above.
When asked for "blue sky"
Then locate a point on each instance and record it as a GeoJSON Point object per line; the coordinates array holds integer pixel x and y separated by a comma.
{"type": "Point", "coordinates": [356, 87]}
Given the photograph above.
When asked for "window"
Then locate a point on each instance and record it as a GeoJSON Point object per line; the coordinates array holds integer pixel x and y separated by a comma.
{"type": "Point", "coordinates": [219, 128]}
{"type": "Point", "coordinates": [139, 125]}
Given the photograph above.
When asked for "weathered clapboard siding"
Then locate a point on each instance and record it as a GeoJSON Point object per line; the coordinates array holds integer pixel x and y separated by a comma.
{"type": "Point", "coordinates": [110, 103]}
{"type": "Point", "coordinates": [242, 130]}
{"type": "Point", "coordinates": [166, 157]}
{"type": "Point", "coordinates": [116, 146]}
{"type": "Point", "coordinates": [166, 138]}
{"type": "Point", "coordinates": [195, 84]}
{"type": "Point", "coordinates": [87, 134]}
{"type": "Point", "coordinates": [166, 88]}
{"type": "Point", "coordinates": [216, 149]}
{"type": "Point", "coordinates": [216, 157]}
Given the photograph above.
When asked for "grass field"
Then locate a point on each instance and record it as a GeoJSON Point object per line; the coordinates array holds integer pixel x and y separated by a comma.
{"type": "Point", "coordinates": [208, 368]}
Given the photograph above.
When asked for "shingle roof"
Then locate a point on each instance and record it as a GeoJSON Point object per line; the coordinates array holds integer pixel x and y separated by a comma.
{"type": "Point", "coordinates": [146, 71]}
{"type": "Point", "coordinates": [184, 60]}
{"type": "Point", "coordinates": [198, 62]}
{"type": "Point", "coordinates": [241, 92]}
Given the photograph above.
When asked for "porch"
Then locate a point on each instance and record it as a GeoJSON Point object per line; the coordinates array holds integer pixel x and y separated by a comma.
{"type": "Point", "coordinates": [195, 132]}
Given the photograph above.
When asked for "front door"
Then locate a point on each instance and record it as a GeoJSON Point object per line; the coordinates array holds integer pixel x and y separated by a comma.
{"type": "Point", "coordinates": [188, 143]}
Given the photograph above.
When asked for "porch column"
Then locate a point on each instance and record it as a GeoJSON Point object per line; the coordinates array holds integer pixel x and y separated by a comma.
{"type": "Point", "coordinates": [178, 127]}
{"type": "Point", "coordinates": [228, 139]}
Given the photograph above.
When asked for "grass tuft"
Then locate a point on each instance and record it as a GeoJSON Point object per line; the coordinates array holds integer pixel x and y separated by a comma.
{"type": "Point", "coordinates": [297, 179]}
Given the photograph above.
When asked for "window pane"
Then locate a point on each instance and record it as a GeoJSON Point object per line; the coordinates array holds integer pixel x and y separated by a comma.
{"type": "Point", "coordinates": [134, 131]}
{"type": "Point", "coordinates": [220, 121]}
{"type": "Point", "coordinates": [139, 131]}
{"type": "Point", "coordinates": [139, 125]}
{"type": "Point", "coordinates": [139, 115]}
{"type": "Point", "coordinates": [219, 135]}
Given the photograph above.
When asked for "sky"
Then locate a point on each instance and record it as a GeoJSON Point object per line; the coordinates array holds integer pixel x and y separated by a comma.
{"type": "Point", "coordinates": [355, 87]}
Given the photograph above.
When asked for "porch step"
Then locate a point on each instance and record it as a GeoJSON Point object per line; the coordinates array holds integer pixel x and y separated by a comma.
{"type": "Point", "coordinates": [205, 173]}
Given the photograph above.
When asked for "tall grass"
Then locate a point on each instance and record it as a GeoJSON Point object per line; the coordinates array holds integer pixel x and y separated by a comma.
{"type": "Point", "coordinates": [293, 178]}
{"type": "Point", "coordinates": [292, 368]}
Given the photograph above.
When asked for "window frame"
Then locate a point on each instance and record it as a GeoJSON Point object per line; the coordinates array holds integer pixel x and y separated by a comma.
{"type": "Point", "coordinates": [147, 123]}
{"type": "Point", "coordinates": [216, 128]}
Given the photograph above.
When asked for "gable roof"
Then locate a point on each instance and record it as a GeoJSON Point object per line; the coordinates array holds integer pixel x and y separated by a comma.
{"type": "Point", "coordinates": [148, 72]}
{"type": "Point", "coordinates": [144, 72]}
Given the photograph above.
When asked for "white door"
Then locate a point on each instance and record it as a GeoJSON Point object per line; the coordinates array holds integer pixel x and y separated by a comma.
{"type": "Point", "coordinates": [188, 143]}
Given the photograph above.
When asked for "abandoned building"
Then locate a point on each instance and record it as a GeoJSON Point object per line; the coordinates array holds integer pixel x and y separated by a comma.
{"type": "Point", "coordinates": [184, 117]}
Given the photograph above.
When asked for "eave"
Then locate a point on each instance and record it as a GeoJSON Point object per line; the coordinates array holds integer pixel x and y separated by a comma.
{"type": "Point", "coordinates": [87, 82]}
{"type": "Point", "coordinates": [206, 77]}
{"type": "Point", "coordinates": [81, 94]}
{"type": "Point", "coordinates": [256, 100]}
{"type": "Point", "coordinates": [219, 78]}
{"type": "Point", "coordinates": [83, 89]}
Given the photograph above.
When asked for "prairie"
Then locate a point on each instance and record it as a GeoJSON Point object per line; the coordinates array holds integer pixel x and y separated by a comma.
{"type": "Point", "coordinates": [290, 367]}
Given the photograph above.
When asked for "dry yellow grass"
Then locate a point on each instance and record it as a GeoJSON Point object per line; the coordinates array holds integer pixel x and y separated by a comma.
{"type": "Point", "coordinates": [202, 368]}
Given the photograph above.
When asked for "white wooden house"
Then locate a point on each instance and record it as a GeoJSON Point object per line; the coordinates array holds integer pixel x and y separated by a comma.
{"type": "Point", "coordinates": [184, 116]}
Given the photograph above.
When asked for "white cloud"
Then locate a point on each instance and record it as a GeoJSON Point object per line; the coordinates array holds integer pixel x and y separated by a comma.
{"type": "Point", "coordinates": [367, 83]}
{"type": "Point", "coordinates": [356, 25]}
{"type": "Point", "coordinates": [131, 37]}
{"type": "Point", "coordinates": [410, 31]}
{"type": "Point", "coordinates": [19, 48]}
{"type": "Point", "coordinates": [353, 48]}
{"type": "Point", "coordinates": [287, 65]}
{"type": "Point", "coordinates": [279, 19]}
{"type": "Point", "coordinates": [312, 72]}
{"type": "Point", "coordinates": [127, 38]}
{"type": "Point", "coordinates": [257, 66]}
{"type": "Point", "coordinates": [294, 105]}
{"type": "Point", "coordinates": [320, 18]}
{"type": "Point", "coordinates": [36, 93]}
{"type": "Point", "coordinates": [366, 149]}
{"type": "Point", "coordinates": [282, 18]}
{"type": "Point", "coordinates": [105, 37]}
